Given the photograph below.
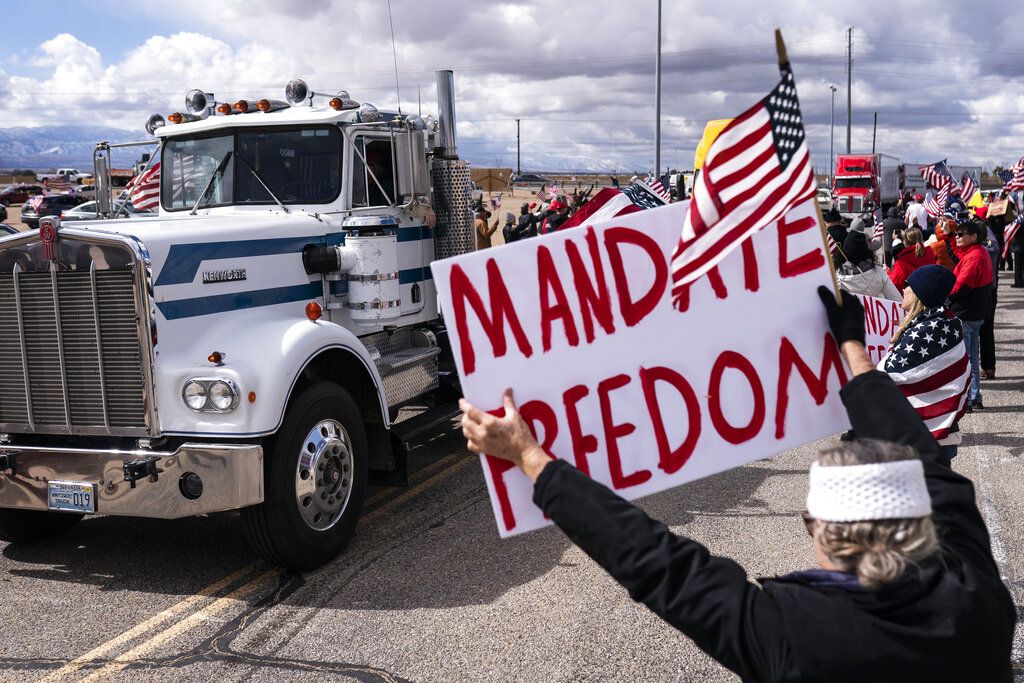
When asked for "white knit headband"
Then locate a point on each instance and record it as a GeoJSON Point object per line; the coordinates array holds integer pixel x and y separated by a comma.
{"type": "Point", "coordinates": [856, 493]}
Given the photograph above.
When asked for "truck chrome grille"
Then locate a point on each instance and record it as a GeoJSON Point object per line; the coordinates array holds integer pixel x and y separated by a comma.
{"type": "Point", "coordinates": [71, 355]}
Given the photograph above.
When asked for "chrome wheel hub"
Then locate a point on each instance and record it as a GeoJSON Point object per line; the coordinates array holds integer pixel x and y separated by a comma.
{"type": "Point", "coordinates": [323, 478]}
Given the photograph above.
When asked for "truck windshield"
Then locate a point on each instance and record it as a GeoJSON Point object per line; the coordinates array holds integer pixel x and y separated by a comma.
{"type": "Point", "coordinates": [853, 182]}
{"type": "Point", "coordinates": [298, 165]}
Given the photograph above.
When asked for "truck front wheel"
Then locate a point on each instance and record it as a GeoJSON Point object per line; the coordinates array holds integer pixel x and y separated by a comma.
{"type": "Point", "coordinates": [30, 526]}
{"type": "Point", "coordinates": [314, 481]}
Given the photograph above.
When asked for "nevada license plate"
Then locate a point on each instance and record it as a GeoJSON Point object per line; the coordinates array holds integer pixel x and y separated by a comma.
{"type": "Point", "coordinates": [71, 496]}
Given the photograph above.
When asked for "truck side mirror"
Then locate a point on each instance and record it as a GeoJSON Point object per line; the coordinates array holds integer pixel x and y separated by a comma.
{"type": "Point", "coordinates": [410, 163]}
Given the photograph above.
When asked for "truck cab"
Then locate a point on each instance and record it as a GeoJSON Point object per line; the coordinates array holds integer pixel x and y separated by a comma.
{"type": "Point", "coordinates": [252, 346]}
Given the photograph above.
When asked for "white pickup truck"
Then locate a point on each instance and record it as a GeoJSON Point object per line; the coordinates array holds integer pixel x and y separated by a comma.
{"type": "Point", "coordinates": [73, 174]}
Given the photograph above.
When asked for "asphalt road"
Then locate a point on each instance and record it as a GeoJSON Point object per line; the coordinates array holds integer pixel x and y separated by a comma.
{"type": "Point", "coordinates": [427, 591]}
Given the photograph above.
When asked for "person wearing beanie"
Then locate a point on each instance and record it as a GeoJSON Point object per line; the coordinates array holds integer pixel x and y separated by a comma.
{"type": "Point", "coordinates": [837, 231]}
{"type": "Point", "coordinates": [860, 274]}
{"type": "Point", "coordinates": [892, 227]}
{"type": "Point", "coordinates": [859, 224]}
{"type": "Point", "coordinates": [912, 257]}
{"type": "Point", "coordinates": [934, 330]}
{"type": "Point", "coordinates": [508, 231]}
{"type": "Point", "coordinates": [906, 588]}
{"type": "Point", "coordinates": [970, 295]}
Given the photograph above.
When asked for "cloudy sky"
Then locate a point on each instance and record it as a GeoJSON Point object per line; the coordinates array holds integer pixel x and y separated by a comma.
{"type": "Point", "coordinates": [945, 77]}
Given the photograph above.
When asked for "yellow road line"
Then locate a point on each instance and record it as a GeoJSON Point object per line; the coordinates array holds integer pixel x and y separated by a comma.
{"type": "Point", "coordinates": [204, 594]}
{"type": "Point", "coordinates": [140, 629]}
{"type": "Point", "coordinates": [194, 619]}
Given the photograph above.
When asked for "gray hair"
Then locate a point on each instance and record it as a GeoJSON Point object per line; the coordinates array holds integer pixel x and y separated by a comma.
{"type": "Point", "coordinates": [876, 551]}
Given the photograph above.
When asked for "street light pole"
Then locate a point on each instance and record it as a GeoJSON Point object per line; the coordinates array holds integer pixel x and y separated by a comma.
{"type": "Point", "coordinates": [832, 138]}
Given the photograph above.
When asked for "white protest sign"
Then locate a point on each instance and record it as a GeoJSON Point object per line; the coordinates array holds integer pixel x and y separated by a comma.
{"type": "Point", "coordinates": [615, 380]}
{"type": "Point", "coordinates": [881, 318]}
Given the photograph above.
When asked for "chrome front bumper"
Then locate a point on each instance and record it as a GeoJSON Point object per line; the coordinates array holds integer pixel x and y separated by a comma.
{"type": "Point", "coordinates": [232, 477]}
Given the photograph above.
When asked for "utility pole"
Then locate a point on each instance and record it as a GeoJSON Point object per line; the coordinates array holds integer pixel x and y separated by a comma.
{"type": "Point", "coordinates": [874, 132]}
{"type": "Point", "coordinates": [519, 168]}
{"type": "Point", "coordinates": [657, 102]}
{"type": "Point", "coordinates": [849, 85]}
{"type": "Point", "coordinates": [832, 138]}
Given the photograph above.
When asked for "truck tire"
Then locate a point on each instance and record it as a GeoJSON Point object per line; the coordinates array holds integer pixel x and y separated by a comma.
{"type": "Point", "coordinates": [314, 480]}
{"type": "Point", "coordinates": [32, 526]}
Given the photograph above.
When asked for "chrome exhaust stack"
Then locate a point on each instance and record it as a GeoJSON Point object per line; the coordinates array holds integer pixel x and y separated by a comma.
{"type": "Point", "coordinates": [449, 178]}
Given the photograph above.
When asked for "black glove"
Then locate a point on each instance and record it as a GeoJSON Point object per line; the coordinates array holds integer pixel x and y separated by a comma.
{"type": "Point", "coordinates": [845, 321]}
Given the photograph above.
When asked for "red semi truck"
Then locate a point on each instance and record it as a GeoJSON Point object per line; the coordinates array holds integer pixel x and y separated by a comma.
{"type": "Point", "coordinates": [866, 177]}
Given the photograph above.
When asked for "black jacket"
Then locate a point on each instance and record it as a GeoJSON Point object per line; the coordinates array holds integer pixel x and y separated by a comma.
{"type": "Point", "coordinates": [526, 226]}
{"type": "Point", "coordinates": [951, 620]}
{"type": "Point", "coordinates": [891, 227]}
{"type": "Point", "coordinates": [838, 233]}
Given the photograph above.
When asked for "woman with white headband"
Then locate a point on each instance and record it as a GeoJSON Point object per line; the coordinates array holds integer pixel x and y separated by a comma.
{"type": "Point", "coordinates": [907, 590]}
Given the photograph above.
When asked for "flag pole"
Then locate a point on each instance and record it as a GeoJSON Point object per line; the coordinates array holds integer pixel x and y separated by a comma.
{"type": "Point", "coordinates": [780, 49]}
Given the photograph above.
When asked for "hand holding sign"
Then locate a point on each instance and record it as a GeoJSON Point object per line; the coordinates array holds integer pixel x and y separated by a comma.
{"type": "Point", "coordinates": [507, 437]}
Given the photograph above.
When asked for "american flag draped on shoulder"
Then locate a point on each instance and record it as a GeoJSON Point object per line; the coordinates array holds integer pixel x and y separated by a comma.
{"type": "Point", "coordinates": [929, 364]}
{"type": "Point", "coordinates": [144, 189]}
{"type": "Point", "coordinates": [756, 170]}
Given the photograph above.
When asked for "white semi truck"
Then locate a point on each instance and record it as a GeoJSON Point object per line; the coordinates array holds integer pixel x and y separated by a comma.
{"type": "Point", "coordinates": [249, 348]}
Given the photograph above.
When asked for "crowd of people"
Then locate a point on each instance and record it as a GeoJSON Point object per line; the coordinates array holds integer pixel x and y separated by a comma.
{"type": "Point", "coordinates": [907, 587]}
{"type": "Point", "coordinates": [876, 254]}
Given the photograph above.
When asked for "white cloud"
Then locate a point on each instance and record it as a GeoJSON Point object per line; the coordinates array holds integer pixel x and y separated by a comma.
{"type": "Point", "coordinates": [579, 75]}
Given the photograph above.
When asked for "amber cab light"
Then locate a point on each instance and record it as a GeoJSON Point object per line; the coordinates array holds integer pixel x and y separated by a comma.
{"type": "Point", "coordinates": [217, 358]}
{"type": "Point", "coordinates": [224, 108]}
{"type": "Point", "coordinates": [242, 106]}
{"type": "Point", "coordinates": [252, 397]}
{"type": "Point", "coordinates": [313, 311]}
{"type": "Point", "coordinates": [336, 103]}
{"type": "Point", "coordinates": [263, 105]}
{"type": "Point", "coordinates": [175, 117]}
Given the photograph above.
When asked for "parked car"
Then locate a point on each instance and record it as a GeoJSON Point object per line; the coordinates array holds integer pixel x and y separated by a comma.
{"type": "Point", "coordinates": [18, 194]}
{"type": "Point", "coordinates": [530, 179]}
{"type": "Point", "coordinates": [3, 213]}
{"type": "Point", "coordinates": [7, 230]}
{"type": "Point", "coordinates": [825, 198]}
{"type": "Point", "coordinates": [87, 212]}
{"type": "Point", "coordinates": [52, 205]}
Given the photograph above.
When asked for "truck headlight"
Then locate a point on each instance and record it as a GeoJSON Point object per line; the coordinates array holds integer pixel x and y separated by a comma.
{"type": "Point", "coordinates": [210, 394]}
{"type": "Point", "coordinates": [194, 394]}
{"type": "Point", "coordinates": [222, 395]}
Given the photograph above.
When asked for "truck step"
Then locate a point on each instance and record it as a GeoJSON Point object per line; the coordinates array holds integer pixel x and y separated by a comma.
{"type": "Point", "coordinates": [431, 421]}
{"type": "Point", "coordinates": [409, 372]}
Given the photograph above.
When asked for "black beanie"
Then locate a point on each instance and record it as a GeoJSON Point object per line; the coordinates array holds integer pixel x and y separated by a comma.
{"type": "Point", "coordinates": [932, 284]}
{"type": "Point", "coordinates": [856, 248]}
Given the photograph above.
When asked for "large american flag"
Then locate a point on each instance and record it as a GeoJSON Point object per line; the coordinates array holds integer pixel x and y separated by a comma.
{"type": "Point", "coordinates": [59, 184]}
{"type": "Point", "coordinates": [756, 170]}
{"type": "Point", "coordinates": [611, 202]}
{"type": "Point", "coordinates": [937, 175]}
{"type": "Point", "coordinates": [929, 364]}
{"type": "Point", "coordinates": [144, 189]}
{"type": "Point", "coordinates": [968, 186]}
{"type": "Point", "coordinates": [932, 206]}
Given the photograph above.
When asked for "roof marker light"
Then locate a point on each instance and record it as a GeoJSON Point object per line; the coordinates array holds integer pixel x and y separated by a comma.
{"type": "Point", "coordinates": [224, 108]}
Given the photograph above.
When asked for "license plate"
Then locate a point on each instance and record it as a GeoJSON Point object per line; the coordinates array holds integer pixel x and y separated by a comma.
{"type": "Point", "coordinates": [71, 496]}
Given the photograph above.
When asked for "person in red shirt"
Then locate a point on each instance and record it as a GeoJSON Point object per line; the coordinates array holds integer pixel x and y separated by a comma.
{"type": "Point", "coordinates": [970, 295]}
{"type": "Point", "coordinates": [913, 256]}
